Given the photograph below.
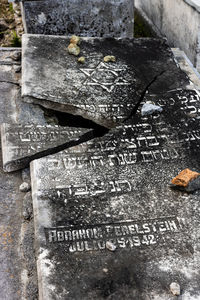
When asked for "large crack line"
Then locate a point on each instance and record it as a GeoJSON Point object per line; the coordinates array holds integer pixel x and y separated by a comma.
{"type": "Point", "coordinates": [134, 110]}
{"type": "Point", "coordinates": [11, 82]}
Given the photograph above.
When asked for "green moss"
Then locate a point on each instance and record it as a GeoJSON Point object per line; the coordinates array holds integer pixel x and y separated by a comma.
{"type": "Point", "coordinates": [15, 42]}
{"type": "Point", "coordinates": [11, 8]}
{"type": "Point", "coordinates": [141, 28]}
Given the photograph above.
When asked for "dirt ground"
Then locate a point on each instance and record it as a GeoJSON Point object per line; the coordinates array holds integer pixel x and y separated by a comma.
{"type": "Point", "coordinates": [10, 24]}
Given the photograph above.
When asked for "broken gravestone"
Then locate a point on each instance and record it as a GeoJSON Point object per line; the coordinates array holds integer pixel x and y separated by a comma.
{"type": "Point", "coordinates": [110, 18]}
{"type": "Point", "coordinates": [113, 193]}
{"type": "Point", "coordinates": [23, 143]}
{"type": "Point", "coordinates": [103, 92]}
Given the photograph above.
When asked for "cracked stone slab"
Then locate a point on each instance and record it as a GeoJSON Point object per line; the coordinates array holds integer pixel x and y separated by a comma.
{"type": "Point", "coordinates": [116, 189]}
{"type": "Point", "coordinates": [103, 92]}
{"type": "Point", "coordinates": [111, 18]}
{"type": "Point", "coordinates": [23, 143]}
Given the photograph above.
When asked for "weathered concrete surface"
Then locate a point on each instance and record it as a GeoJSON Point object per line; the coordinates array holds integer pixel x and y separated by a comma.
{"type": "Point", "coordinates": [116, 189]}
{"type": "Point", "coordinates": [110, 18]}
{"type": "Point", "coordinates": [178, 20]}
{"type": "Point", "coordinates": [103, 92]}
{"type": "Point", "coordinates": [23, 143]}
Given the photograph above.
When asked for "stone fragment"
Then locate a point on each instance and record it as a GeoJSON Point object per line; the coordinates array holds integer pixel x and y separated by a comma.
{"type": "Point", "coordinates": [175, 289]}
{"type": "Point", "coordinates": [62, 17]}
{"type": "Point", "coordinates": [149, 109]}
{"type": "Point", "coordinates": [185, 177]}
{"type": "Point", "coordinates": [105, 270]}
{"type": "Point", "coordinates": [105, 93]}
{"type": "Point", "coordinates": [23, 143]}
{"type": "Point", "coordinates": [73, 49]}
{"type": "Point", "coordinates": [110, 246]}
{"type": "Point", "coordinates": [81, 59]}
{"type": "Point", "coordinates": [75, 40]}
{"type": "Point", "coordinates": [109, 58]}
{"type": "Point", "coordinates": [25, 187]}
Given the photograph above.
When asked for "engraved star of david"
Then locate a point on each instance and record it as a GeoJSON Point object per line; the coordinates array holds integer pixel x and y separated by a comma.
{"type": "Point", "coordinates": [105, 77]}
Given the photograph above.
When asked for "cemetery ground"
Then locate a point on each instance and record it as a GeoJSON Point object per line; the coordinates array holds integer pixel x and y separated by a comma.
{"type": "Point", "coordinates": [10, 25]}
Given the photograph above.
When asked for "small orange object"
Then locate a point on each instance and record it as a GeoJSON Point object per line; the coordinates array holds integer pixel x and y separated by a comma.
{"type": "Point", "coordinates": [184, 177]}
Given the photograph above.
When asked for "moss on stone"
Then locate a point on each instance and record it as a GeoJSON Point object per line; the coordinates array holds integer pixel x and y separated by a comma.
{"type": "Point", "coordinates": [141, 28]}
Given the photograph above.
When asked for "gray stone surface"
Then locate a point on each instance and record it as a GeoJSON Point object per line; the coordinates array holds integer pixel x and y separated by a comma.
{"type": "Point", "coordinates": [23, 143]}
{"type": "Point", "coordinates": [103, 92]}
{"type": "Point", "coordinates": [186, 65]}
{"type": "Point", "coordinates": [113, 18]}
{"type": "Point", "coordinates": [18, 278]}
{"type": "Point", "coordinates": [116, 189]}
{"type": "Point", "coordinates": [12, 108]}
{"type": "Point", "coordinates": [10, 227]}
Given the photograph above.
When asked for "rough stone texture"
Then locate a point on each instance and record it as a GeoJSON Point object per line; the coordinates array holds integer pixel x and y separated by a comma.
{"type": "Point", "coordinates": [113, 18]}
{"type": "Point", "coordinates": [27, 206]}
{"type": "Point", "coordinates": [14, 276]}
{"type": "Point", "coordinates": [10, 226]}
{"type": "Point", "coordinates": [116, 189]}
{"type": "Point", "coordinates": [23, 143]}
{"type": "Point", "coordinates": [103, 92]}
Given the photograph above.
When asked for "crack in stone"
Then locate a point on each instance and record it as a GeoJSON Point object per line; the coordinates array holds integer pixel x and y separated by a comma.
{"type": "Point", "coordinates": [11, 82]}
{"type": "Point", "coordinates": [134, 110]}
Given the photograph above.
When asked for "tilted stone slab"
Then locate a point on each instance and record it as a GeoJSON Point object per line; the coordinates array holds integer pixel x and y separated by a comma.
{"type": "Point", "coordinates": [116, 189]}
{"type": "Point", "coordinates": [23, 143]}
{"type": "Point", "coordinates": [110, 18]}
{"type": "Point", "coordinates": [103, 92]}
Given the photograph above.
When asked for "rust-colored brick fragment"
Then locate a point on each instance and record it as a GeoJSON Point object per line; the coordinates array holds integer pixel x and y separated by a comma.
{"type": "Point", "coordinates": [184, 177]}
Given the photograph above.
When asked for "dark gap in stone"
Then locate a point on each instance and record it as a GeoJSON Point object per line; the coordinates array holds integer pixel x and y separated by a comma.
{"type": "Point", "coordinates": [69, 120]}
{"type": "Point", "coordinates": [74, 142]}
{"type": "Point", "coordinates": [66, 120]}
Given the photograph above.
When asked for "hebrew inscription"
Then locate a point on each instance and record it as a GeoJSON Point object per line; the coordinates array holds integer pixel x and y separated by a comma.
{"type": "Point", "coordinates": [21, 143]}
